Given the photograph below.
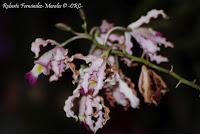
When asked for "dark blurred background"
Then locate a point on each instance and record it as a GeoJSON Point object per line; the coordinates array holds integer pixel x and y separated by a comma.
{"type": "Point", "coordinates": [39, 109]}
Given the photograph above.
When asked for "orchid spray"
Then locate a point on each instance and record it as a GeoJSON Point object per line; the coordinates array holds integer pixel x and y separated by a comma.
{"type": "Point", "coordinates": [101, 74]}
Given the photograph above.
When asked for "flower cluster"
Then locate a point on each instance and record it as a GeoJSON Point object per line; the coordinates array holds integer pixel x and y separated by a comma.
{"type": "Point", "coordinates": [101, 75]}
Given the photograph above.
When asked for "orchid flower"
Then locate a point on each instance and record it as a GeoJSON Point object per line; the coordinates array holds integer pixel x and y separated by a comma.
{"type": "Point", "coordinates": [121, 90]}
{"type": "Point", "coordinates": [56, 60]}
{"type": "Point", "coordinates": [92, 111]}
{"type": "Point", "coordinates": [92, 78]}
{"type": "Point", "coordinates": [148, 39]}
{"type": "Point", "coordinates": [90, 82]}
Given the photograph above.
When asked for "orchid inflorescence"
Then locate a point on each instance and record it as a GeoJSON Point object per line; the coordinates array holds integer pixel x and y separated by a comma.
{"type": "Point", "coordinates": [101, 75]}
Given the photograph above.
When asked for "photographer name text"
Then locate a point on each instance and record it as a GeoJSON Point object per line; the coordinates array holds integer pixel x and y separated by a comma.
{"type": "Point", "coordinates": [42, 5]}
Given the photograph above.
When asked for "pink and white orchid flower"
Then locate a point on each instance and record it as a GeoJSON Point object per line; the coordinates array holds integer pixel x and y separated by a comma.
{"type": "Point", "coordinates": [54, 60]}
{"type": "Point", "coordinates": [148, 39]}
{"type": "Point", "coordinates": [120, 91]}
{"type": "Point", "coordinates": [92, 78]}
{"type": "Point", "coordinates": [92, 111]}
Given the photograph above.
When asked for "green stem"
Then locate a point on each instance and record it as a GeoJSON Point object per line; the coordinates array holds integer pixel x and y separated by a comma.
{"type": "Point", "coordinates": [152, 65]}
{"type": "Point", "coordinates": [93, 47]}
{"type": "Point", "coordinates": [81, 36]}
{"type": "Point", "coordinates": [134, 58]}
{"type": "Point", "coordinates": [93, 30]}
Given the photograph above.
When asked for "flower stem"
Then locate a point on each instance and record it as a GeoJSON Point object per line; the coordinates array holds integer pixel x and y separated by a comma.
{"type": "Point", "coordinates": [93, 30]}
{"type": "Point", "coordinates": [133, 58]}
{"type": "Point", "coordinates": [93, 47]}
{"type": "Point", "coordinates": [152, 65]}
{"type": "Point", "coordinates": [81, 36]}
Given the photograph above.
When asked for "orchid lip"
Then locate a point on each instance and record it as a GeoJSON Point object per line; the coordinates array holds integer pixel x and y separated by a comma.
{"type": "Point", "coordinates": [82, 92]}
{"type": "Point", "coordinates": [31, 78]}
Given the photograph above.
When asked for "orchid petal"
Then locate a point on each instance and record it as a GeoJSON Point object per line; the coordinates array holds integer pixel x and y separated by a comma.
{"type": "Point", "coordinates": [119, 91]}
{"type": "Point", "coordinates": [128, 43]}
{"type": "Point", "coordinates": [105, 26]}
{"type": "Point", "coordinates": [93, 112]}
{"type": "Point", "coordinates": [158, 58]}
{"type": "Point", "coordinates": [146, 19]}
{"type": "Point", "coordinates": [35, 46]}
{"type": "Point", "coordinates": [128, 94]}
{"type": "Point", "coordinates": [69, 104]}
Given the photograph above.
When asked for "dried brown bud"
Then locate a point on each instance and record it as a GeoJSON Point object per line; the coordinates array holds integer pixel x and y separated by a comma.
{"type": "Point", "coordinates": [151, 86]}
